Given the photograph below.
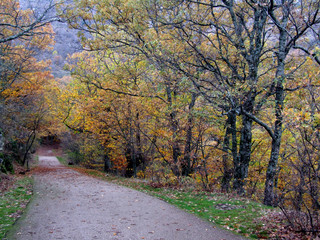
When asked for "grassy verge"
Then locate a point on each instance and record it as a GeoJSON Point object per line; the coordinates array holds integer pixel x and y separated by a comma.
{"type": "Point", "coordinates": [236, 214]}
{"type": "Point", "coordinates": [13, 202]}
{"type": "Point", "coordinates": [63, 160]}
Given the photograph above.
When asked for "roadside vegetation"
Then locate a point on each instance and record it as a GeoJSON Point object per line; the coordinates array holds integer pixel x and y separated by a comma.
{"type": "Point", "coordinates": [13, 202]}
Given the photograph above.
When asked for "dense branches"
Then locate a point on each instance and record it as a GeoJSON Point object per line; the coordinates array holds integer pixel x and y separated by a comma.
{"type": "Point", "coordinates": [24, 34]}
{"type": "Point", "coordinates": [219, 72]}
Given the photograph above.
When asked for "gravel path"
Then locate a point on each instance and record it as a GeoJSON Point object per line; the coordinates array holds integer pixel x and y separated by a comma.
{"type": "Point", "coordinates": [68, 205]}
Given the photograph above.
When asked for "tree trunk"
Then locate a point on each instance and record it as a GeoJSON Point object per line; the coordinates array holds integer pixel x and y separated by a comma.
{"type": "Point", "coordinates": [227, 175]}
{"type": "Point", "coordinates": [242, 161]}
{"type": "Point", "coordinates": [131, 169]}
{"type": "Point", "coordinates": [186, 166]}
{"type": "Point", "coordinates": [140, 157]}
{"type": "Point", "coordinates": [107, 163]}
{"type": "Point", "coordinates": [227, 169]}
{"type": "Point", "coordinates": [269, 196]}
{"type": "Point", "coordinates": [29, 144]}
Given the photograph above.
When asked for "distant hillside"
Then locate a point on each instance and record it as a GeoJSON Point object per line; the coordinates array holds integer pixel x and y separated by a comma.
{"type": "Point", "coordinates": [66, 39]}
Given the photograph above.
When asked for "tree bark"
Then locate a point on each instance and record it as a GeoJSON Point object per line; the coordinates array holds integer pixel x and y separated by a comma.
{"type": "Point", "coordinates": [228, 171]}
{"type": "Point", "coordinates": [29, 144]}
{"type": "Point", "coordinates": [107, 163]}
{"type": "Point", "coordinates": [269, 196]}
{"type": "Point", "coordinates": [186, 166]}
{"type": "Point", "coordinates": [241, 163]}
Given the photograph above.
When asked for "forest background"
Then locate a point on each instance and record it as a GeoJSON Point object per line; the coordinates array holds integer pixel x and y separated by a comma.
{"type": "Point", "coordinates": [218, 94]}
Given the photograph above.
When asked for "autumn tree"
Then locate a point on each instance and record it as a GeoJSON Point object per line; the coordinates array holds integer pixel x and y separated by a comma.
{"type": "Point", "coordinates": [123, 94]}
{"type": "Point", "coordinates": [217, 47]}
{"type": "Point", "coordinates": [24, 33]}
{"type": "Point", "coordinates": [107, 109]}
{"type": "Point", "coordinates": [250, 36]}
{"type": "Point", "coordinates": [241, 58]}
{"type": "Point", "coordinates": [17, 28]}
{"type": "Point", "coordinates": [297, 187]}
{"type": "Point", "coordinates": [133, 38]}
{"type": "Point", "coordinates": [223, 43]}
{"type": "Point", "coordinates": [24, 112]}
{"type": "Point", "coordinates": [292, 21]}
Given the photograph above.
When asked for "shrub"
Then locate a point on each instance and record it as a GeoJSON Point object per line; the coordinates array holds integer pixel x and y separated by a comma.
{"type": "Point", "coordinates": [6, 165]}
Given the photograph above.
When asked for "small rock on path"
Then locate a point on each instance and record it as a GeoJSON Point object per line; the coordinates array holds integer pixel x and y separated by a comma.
{"type": "Point", "coordinates": [69, 205]}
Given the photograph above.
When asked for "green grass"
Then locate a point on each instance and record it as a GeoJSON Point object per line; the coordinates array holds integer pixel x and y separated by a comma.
{"type": "Point", "coordinates": [13, 202]}
{"type": "Point", "coordinates": [204, 205]}
{"type": "Point", "coordinates": [63, 161]}
{"type": "Point", "coordinates": [242, 220]}
{"type": "Point", "coordinates": [35, 161]}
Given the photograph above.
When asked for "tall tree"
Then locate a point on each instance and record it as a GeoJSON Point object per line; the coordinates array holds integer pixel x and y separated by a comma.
{"type": "Point", "coordinates": [293, 20]}
{"type": "Point", "coordinates": [20, 28]}
{"type": "Point", "coordinates": [128, 33]}
{"type": "Point", "coordinates": [224, 41]}
{"type": "Point", "coordinates": [23, 35]}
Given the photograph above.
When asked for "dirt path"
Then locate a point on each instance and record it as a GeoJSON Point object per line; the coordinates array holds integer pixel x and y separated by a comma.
{"type": "Point", "coordinates": [69, 205]}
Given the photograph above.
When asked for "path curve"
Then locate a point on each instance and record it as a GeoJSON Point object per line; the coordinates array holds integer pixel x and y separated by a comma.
{"type": "Point", "coordinates": [69, 205]}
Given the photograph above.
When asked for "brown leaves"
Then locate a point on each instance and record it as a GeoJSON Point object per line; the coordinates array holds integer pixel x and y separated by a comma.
{"type": "Point", "coordinates": [46, 170]}
{"type": "Point", "coordinates": [275, 226]}
{"type": "Point", "coordinates": [5, 182]}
